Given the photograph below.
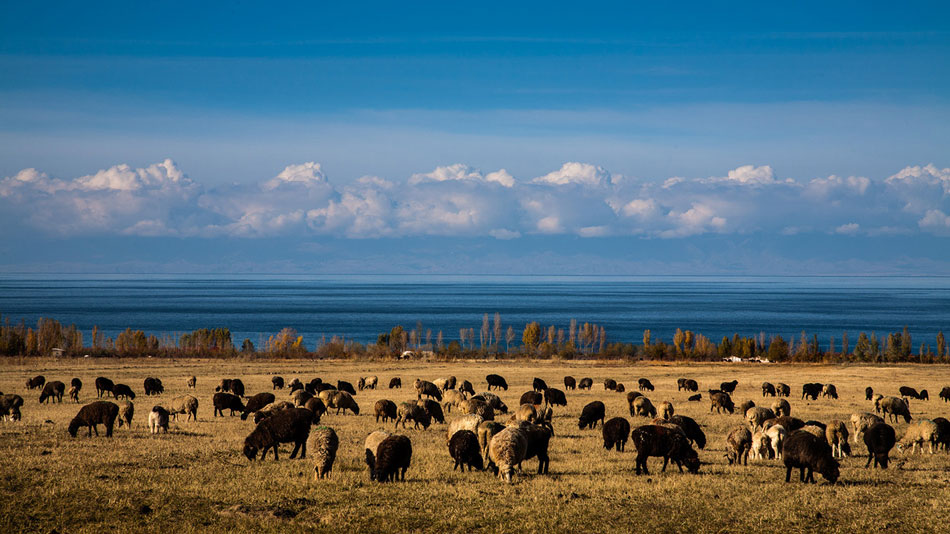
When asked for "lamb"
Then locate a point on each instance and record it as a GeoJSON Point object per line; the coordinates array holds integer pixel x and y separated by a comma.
{"type": "Point", "coordinates": [879, 438]}
{"type": "Point", "coordinates": [757, 416]}
{"type": "Point", "coordinates": [666, 409]}
{"type": "Point", "coordinates": [465, 422]}
{"type": "Point", "coordinates": [434, 409]}
{"type": "Point", "coordinates": [371, 445]}
{"type": "Point", "coordinates": [497, 382]}
{"type": "Point", "coordinates": [781, 407]}
{"type": "Point", "coordinates": [36, 382]}
{"type": "Point", "coordinates": [655, 440]}
{"type": "Point", "coordinates": [122, 390]}
{"type": "Point", "coordinates": [808, 453]}
{"type": "Point", "coordinates": [531, 397]}
{"type": "Point", "coordinates": [277, 382]}
{"type": "Point", "coordinates": [768, 390]}
{"type": "Point", "coordinates": [610, 384]}
{"type": "Point", "coordinates": [192, 382]}
{"type": "Point", "coordinates": [386, 409]}
{"type": "Point", "coordinates": [103, 386]}
{"type": "Point", "coordinates": [643, 406]}
{"type": "Point", "coordinates": [275, 407]}
{"type": "Point", "coordinates": [485, 431]}
{"type": "Point", "coordinates": [783, 390]}
{"type": "Point", "coordinates": [94, 414]}
{"type": "Point", "coordinates": [721, 401]}
{"type": "Point", "coordinates": [591, 413]}
{"type": "Point", "coordinates": [300, 396]}
{"type": "Point", "coordinates": [539, 385]}
{"type": "Point", "coordinates": [424, 387]}
{"type": "Point", "coordinates": [895, 407]}
{"type": "Point", "coordinates": [616, 432]}
{"type": "Point", "coordinates": [285, 426]}
{"type": "Point", "coordinates": [467, 387]}
{"type": "Point", "coordinates": [343, 401]}
{"type": "Point", "coordinates": [226, 401]}
{"type": "Point", "coordinates": [868, 392]}
{"type": "Point", "coordinates": [10, 405]}
{"type": "Point", "coordinates": [691, 428]}
{"type": "Point", "coordinates": [586, 383]}
{"type": "Point", "coordinates": [776, 435]}
{"type": "Point", "coordinates": [695, 398]}
{"type": "Point", "coordinates": [830, 391]}
{"type": "Point", "coordinates": [53, 392]}
{"type": "Point", "coordinates": [153, 386]}
{"type": "Point", "coordinates": [465, 450]}
{"type": "Point", "coordinates": [410, 411]}
{"type": "Point", "coordinates": [158, 419]}
{"type": "Point", "coordinates": [745, 407]}
{"type": "Point", "coordinates": [126, 412]}
{"type": "Point", "coordinates": [395, 382]}
{"type": "Point", "coordinates": [922, 431]}
{"type": "Point", "coordinates": [570, 383]}
{"type": "Point", "coordinates": [255, 403]}
{"type": "Point", "coordinates": [729, 387]}
{"type": "Point", "coordinates": [836, 434]}
{"type": "Point", "coordinates": [184, 404]}
{"type": "Point", "coordinates": [738, 446]}
{"type": "Point", "coordinates": [323, 446]}
{"type": "Point", "coordinates": [644, 384]}
{"type": "Point", "coordinates": [393, 457]}
{"type": "Point", "coordinates": [811, 390]}
{"type": "Point", "coordinates": [477, 406]}
{"type": "Point", "coordinates": [506, 450]}
{"type": "Point", "coordinates": [555, 397]}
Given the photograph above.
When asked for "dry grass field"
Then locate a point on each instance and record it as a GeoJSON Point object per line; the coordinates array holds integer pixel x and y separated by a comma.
{"type": "Point", "coordinates": [195, 478]}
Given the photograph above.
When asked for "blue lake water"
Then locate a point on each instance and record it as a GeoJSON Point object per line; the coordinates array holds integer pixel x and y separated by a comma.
{"type": "Point", "coordinates": [360, 307]}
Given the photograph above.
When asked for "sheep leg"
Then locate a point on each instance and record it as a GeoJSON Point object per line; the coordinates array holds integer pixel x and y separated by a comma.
{"type": "Point", "coordinates": [666, 460]}
{"type": "Point", "coordinates": [801, 474]}
{"type": "Point", "coordinates": [788, 473]}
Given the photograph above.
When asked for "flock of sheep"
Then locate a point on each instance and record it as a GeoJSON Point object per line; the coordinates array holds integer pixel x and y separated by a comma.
{"type": "Point", "coordinates": [483, 434]}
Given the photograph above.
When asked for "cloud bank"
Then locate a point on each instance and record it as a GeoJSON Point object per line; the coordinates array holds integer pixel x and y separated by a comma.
{"type": "Point", "coordinates": [578, 199]}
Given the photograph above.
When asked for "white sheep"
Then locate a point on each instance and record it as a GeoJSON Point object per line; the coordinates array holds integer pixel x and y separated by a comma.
{"type": "Point", "coordinates": [919, 432]}
{"type": "Point", "coordinates": [465, 422]}
{"type": "Point", "coordinates": [666, 410]}
{"type": "Point", "coordinates": [158, 419]}
{"type": "Point", "coordinates": [777, 435]}
{"type": "Point", "coordinates": [757, 416]}
{"type": "Point", "coordinates": [761, 446]}
{"type": "Point", "coordinates": [507, 449]}
{"type": "Point", "coordinates": [836, 433]}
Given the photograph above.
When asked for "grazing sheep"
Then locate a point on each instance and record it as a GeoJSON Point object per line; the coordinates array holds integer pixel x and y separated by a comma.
{"type": "Point", "coordinates": [285, 426]}
{"type": "Point", "coordinates": [620, 388]}
{"type": "Point", "coordinates": [343, 385]}
{"type": "Point", "coordinates": [585, 383]}
{"type": "Point", "coordinates": [185, 404]}
{"type": "Point", "coordinates": [790, 424]}
{"type": "Point", "coordinates": [273, 408]}
{"type": "Point", "coordinates": [361, 383]}
{"type": "Point", "coordinates": [908, 392]}
{"type": "Point", "coordinates": [36, 382]}
{"type": "Point", "coordinates": [434, 409]}
{"type": "Point", "coordinates": [424, 387]}
{"type": "Point", "coordinates": [814, 430]}
{"type": "Point", "coordinates": [371, 382]}
{"type": "Point", "coordinates": [10, 405]}
{"type": "Point", "coordinates": [192, 382]}
{"type": "Point", "coordinates": [783, 389]}
{"type": "Point", "coordinates": [570, 383]}
{"type": "Point", "coordinates": [616, 432]}
{"type": "Point", "coordinates": [295, 384]}
{"type": "Point", "coordinates": [370, 447]}
{"type": "Point", "coordinates": [393, 457]}
{"type": "Point", "coordinates": [879, 438]}
{"type": "Point", "coordinates": [73, 394]}
{"type": "Point", "coordinates": [75, 384]}
{"type": "Point", "coordinates": [768, 390]}
{"type": "Point", "coordinates": [316, 406]}
{"type": "Point", "coordinates": [738, 445]}
{"type": "Point", "coordinates": [811, 390]}
{"type": "Point", "coordinates": [122, 390]}
{"type": "Point", "coordinates": [277, 382]}
{"type": "Point", "coordinates": [943, 432]}
{"type": "Point", "coordinates": [410, 411]}
{"type": "Point", "coordinates": [666, 410]}
{"type": "Point", "coordinates": [497, 382]}
{"type": "Point", "coordinates": [467, 387]}
{"type": "Point", "coordinates": [103, 386]}
{"type": "Point", "coordinates": [721, 401]}
{"type": "Point", "coordinates": [53, 392]}
{"type": "Point", "coordinates": [226, 401]}
{"type": "Point", "coordinates": [781, 407]}
{"type": "Point", "coordinates": [539, 385]}
{"type": "Point", "coordinates": [255, 403]}
{"type": "Point", "coordinates": [610, 384]}
{"type": "Point", "coordinates": [757, 416]}
{"type": "Point", "coordinates": [644, 384]}
{"type": "Point", "coordinates": [158, 419]}
{"type": "Point", "coordinates": [94, 414]}
{"type": "Point", "coordinates": [745, 407]}
{"type": "Point", "coordinates": [829, 390]}
{"type": "Point", "coordinates": [395, 382]}
{"type": "Point", "coordinates": [539, 439]}
{"type": "Point", "coordinates": [761, 448]}
{"type": "Point", "coordinates": [680, 384]}
{"type": "Point", "coordinates": [808, 453]}
{"type": "Point", "coordinates": [691, 428]}
{"type": "Point", "coordinates": [531, 397]}
{"type": "Point", "coordinates": [643, 406]}
{"type": "Point", "coordinates": [465, 422]}
{"type": "Point", "coordinates": [477, 406]}
{"type": "Point", "coordinates": [836, 434]}
{"type": "Point", "coordinates": [323, 445]}
{"type": "Point", "coordinates": [451, 399]}
{"type": "Point", "coordinates": [386, 409]}
{"type": "Point", "coordinates": [923, 395]}
{"type": "Point", "coordinates": [659, 441]}
{"type": "Point", "coordinates": [301, 396]}
{"type": "Point", "coordinates": [920, 432]}
{"type": "Point", "coordinates": [631, 396]}
{"type": "Point", "coordinates": [153, 386]}
{"type": "Point", "coordinates": [506, 450]}
{"type": "Point", "coordinates": [526, 412]}
{"type": "Point", "coordinates": [868, 392]}
{"type": "Point", "coordinates": [591, 413]}
{"type": "Point", "coordinates": [776, 435]}
{"type": "Point", "coordinates": [232, 385]}
{"type": "Point", "coordinates": [343, 401]}
{"type": "Point", "coordinates": [315, 387]}
{"type": "Point", "coordinates": [555, 397]}
{"type": "Point", "coordinates": [945, 394]}
{"type": "Point", "coordinates": [465, 450]}
{"type": "Point", "coordinates": [126, 412]}
{"type": "Point", "coordinates": [695, 398]}
{"type": "Point", "coordinates": [485, 431]}
{"type": "Point", "coordinates": [895, 407]}
{"type": "Point", "coordinates": [729, 387]}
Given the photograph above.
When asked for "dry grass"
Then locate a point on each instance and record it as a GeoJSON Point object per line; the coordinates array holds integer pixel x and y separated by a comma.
{"type": "Point", "coordinates": [195, 478]}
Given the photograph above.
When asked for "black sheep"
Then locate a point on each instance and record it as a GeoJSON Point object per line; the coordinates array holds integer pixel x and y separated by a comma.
{"type": "Point", "coordinates": [907, 391]}
{"type": "Point", "coordinates": [531, 397]}
{"type": "Point", "coordinates": [237, 387]}
{"type": "Point", "coordinates": [720, 401]}
{"type": "Point", "coordinates": [10, 405]}
{"type": "Point", "coordinates": [285, 426]}
{"type": "Point", "coordinates": [316, 405]}
{"type": "Point", "coordinates": [783, 390]}
{"type": "Point", "coordinates": [122, 390]}
{"type": "Point", "coordinates": [555, 397]}
{"type": "Point", "coordinates": [395, 383]}
{"type": "Point", "coordinates": [467, 387]}
{"type": "Point", "coordinates": [343, 385]}
{"type": "Point", "coordinates": [768, 390]}
{"type": "Point", "coordinates": [923, 395]}
{"type": "Point", "coordinates": [386, 409]}
{"type": "Point", "coordinates": [103, 386]}
{"type": "Point", "coordinates": [680, 384]}
{"type": "Point", "coordinates": [879, 439]}
{"type": "Point", "coordinates": [610, 383]}
{"type": "Point", "coordinates": [76, 383]}
{"type": "Point", "coordinates": [808, 453]}
{"type": "Point", "coordinates": [868, 393]}
{"type": "Point", "coordinates": [811, 390]}
{"type": "Point", "coordinates": [278, 382]}
{"type": "Point", "coordinates": [497, 382]}
{"type": "Point", "coordinates": [393, 457]}
{"type": "Point", "coordinates": [539, 385]}
{"type": "Point", "coordinates": [36, 382]}
{"type": "Point", "coordinates": [224, 386]}
{"type": "Point", "coordinates": [93, 414]}
{"type": "Point", "coordinates": [255, 403]}
{"type": "Point", "coordinates": [539, 437]}
{"type": "Point", "coordinates": [695, 398]}
{"type": "Point", "coordinates": [226, 401]}
{"type": "Point", "coordinates": [830, 391]}
{"type": "Point", "coordinates": [434, 409]}
{"type": "Point", "coordinates": [586, 383]}
{"type": "Point", "coordinates": [323, 386]}
{"type": "Point", "coordinates": [153, 386]}
{"type": "Point", "coordinates": [692, 385]}
{"type": "Point", "coordinates": [450, 383]}
{"type": "Point", "coordinates": [943, 431]}
{"type": "Point", "coordinates": [691, 428]}
{"type": "Point", "coordinates": [655, 440]}
{"type": "Point", "coordinates": [729, 387]}
{"type": "Point", "coordinates": [53, 391]}
{"type": "Point", "coordinates": [591, 413]}
{"type": "Point", "coordinates": [945, 394]}
{"type": "Point", "coordinates": [295, 384]}
{"type": "Point", "coordinates": [570, 383]}
{"type": "Point", "coordinates": [620, 388]}
{"type": "Point", "coordinates": [465, 450]}
{"type": "Point", "coordinates": [645, 385]}
{"type": "Point", "coordinates": [616, 431]}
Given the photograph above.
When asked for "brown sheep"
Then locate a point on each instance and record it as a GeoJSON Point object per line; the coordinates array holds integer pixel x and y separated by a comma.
{"type": "Point", "coordinates": [386, 409]}
{"type": "Point", "coordinates": [393, 457]}
{"type": "Point", "coordinates": [94, 414]}
{"type": "Point", "coordinates": [739, 443]}
{"type": "Point", "coordinates": [323, 446]}
{"type": "Point", "coordinates": [808, 453]}
{"type": "Point", "coordinates": [285, 426]}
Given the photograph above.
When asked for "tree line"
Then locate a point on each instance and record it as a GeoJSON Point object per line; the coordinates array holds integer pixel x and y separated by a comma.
{"type": "Point", "coordinates": [492, 340]}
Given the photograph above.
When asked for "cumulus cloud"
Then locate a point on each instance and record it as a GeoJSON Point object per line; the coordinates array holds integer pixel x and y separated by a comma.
{"type": "Point", "coordinates": [579, 199]}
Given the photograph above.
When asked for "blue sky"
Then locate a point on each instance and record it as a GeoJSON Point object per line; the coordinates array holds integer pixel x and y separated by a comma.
{"type": "Point", "coordinates": [541, 137]}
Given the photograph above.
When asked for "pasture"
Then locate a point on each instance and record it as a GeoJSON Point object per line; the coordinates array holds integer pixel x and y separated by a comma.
{"type": "Point", "coordinates": [196, 479]}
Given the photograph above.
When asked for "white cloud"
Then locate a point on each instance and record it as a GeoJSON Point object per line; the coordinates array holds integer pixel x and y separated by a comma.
{"type": "Point", "coordinates": [307, 174]}
{"type": "Point", "coordinates": [504, 233]}
{"type": "Point", "coordinates": [848, 229]}
{"type": "Point", "coordinates": [573, 172]}
{"type": "Point", "coordinates": [640, 207]}
{"type": "Point", "coordinates": [749, 175]}
{"type": "Point", "coordinates": [698, 219]}
{"type": "Point", "coordinates": [935, 221]}
{"type": "Point", "coordinates": [462, 173]}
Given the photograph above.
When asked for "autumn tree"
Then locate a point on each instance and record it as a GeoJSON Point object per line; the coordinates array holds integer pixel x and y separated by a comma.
{"type": "Point", "coordinates": [941, 345]}
{"type": "Point", "coordinates": [531, 336]}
